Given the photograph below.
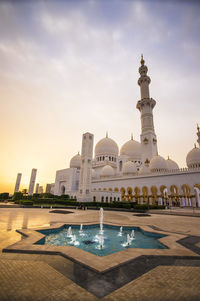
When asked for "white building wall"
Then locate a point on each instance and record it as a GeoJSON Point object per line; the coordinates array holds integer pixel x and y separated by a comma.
{"type": "Point", "coordinates": [188, 177]}
{"type": "Point", "coordinates": [67, 180]}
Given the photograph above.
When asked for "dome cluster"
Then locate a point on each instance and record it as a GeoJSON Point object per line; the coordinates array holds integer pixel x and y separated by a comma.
{"type": "Point", "coordinates": [129, 168]}
{"type": "Point", "coordinates": [171, 165]}
{"type": "Point", "coordinates": [158, 164]}
{"type": "Point", "coordinates": [107, 151]}
{"type": "Point", "coordinates": [107, 171]}
{"type": "Point", "coordinates": [75, 161]}
{"type": "Point", "coordinates": [106, 146]}
{"type": "Point", "coordinates": [131, 149]}
{"type": "Point", "coordinates": [193, 158]}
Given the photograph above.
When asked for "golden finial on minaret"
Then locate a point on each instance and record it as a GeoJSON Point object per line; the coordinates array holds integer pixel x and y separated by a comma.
{"type": "Point", "coordinates": [106, 134]}
{"type": "Point", "coordinates": [195, 145]}
{"type": "Point", "coordinates": [78, 153]}
{"type": "Point", "coordinates": [168, 158]}
{"type": "Point", "coordinates": [142, 60]}
{"type": "Point", "coordinates": [131, 136]}
{"type": "Point", "coordinates": [198, 127]}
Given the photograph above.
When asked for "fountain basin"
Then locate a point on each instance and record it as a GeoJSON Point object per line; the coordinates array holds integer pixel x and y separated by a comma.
{"type": "Point", "coordinates": [90, 238]}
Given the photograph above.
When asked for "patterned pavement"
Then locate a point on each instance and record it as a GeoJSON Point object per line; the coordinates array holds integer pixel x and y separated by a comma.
{"type": "Point", "coordinates": [26, 277]}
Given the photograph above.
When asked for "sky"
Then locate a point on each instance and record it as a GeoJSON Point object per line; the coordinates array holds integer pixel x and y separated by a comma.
{"type": "Point", "coordinates": [70, 67]}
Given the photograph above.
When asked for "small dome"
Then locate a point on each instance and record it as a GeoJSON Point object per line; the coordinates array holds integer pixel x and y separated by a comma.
{"type": "Point", "coordinates": [171, 165]}
{"type": "Point", "coordinates": [75, 161]}
{"type": "Point", "coordinates": [94, 174]}
{"type": "Point", "coordinates": [106, 146]}
{"type": "Point", "coordinates": [144, 170]}
{"type": "Point", "coordinates": [107, 171]}
{"type": "Point", "coordinates": [131, 149]}
{"type": "Point", "coordinates": [157, 164]}
{"type": "Point", "coordinates": [193, 158]}
{"type": "Point", "coordinates": [129, 168]}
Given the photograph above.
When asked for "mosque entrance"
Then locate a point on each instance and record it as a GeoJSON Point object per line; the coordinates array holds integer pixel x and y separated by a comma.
{"type": "Point", "coordinates": [62, 189]}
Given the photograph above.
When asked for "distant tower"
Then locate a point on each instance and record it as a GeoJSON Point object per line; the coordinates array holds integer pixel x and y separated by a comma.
{"type": "Point", "coordinates": [86, 168]}
{"type": "Point", "coordinates": [198, 134]}
{"type": "Point", "coordinates": [32, 181]}
{"type": "Point", "coordinates": [37, 187]}
{"type": "Point", "coordinates": [18, 180]}
{"type": "Point", "coordinates": [145, 106]}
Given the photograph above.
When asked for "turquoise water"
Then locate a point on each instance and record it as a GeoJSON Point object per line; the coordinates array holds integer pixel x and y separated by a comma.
{"type": "Point", "coordinates": [88, 239]}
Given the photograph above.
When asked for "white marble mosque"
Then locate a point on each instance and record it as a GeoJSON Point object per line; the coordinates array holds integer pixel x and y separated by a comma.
{"type": "Point", "coordinates": [136, 172]}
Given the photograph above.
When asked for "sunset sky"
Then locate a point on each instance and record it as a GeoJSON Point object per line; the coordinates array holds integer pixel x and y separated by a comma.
{"type": "Point", "coordinates": [69, 67]}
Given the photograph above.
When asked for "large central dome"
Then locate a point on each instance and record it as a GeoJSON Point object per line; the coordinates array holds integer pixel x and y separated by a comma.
{"type": "Point", "coordinates": [106, 146]}
{"type": "Point", "coordinates": [131, 149]}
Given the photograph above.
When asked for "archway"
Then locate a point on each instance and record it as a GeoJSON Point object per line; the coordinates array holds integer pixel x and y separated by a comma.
{"type": "Point", "coordinates": [145, 192]}
{"type": "Point", "coordinates": [186, 194]}
{"type": "Point", "coordinates": [129, 194]}
{"type": "Point", "coordinates": [197, 194]}
{"type": "Point", "coordinates": [62, 189]}
{"type": "Point", "coordinates": [154, 193]}
{"type": "Point", "coordinates": [174, 195]}
{"type": "Point", "coordinates": [122, 190]}
{"type": "Point", "coordinates": [137, 194]}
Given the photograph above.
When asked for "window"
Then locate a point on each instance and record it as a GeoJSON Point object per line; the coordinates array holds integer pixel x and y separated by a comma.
{"type": "Point", "coordinates": [120, 166]}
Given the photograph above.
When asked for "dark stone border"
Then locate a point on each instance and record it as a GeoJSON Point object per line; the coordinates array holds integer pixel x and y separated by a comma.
{"type": "Point", "coordinates": [190, 243]}
{"type": "Point", "coordinates": [102, 284]}
{"type": "Point", "coordinates": [60, 211]}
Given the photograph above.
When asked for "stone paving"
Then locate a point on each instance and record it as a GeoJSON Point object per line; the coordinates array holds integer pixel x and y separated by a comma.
{"type": "Point", "coordinates": [47, 277]}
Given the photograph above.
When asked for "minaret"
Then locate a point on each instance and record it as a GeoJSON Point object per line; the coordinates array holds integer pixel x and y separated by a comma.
{"type": "Point", "coordinates": [86, 168]}
{"type": "Point", "coordinates": [32, 181]}
{"type": "Point", "coordinates": [18, 180]}
{"type": "Point", "coordinates": [198, 134]}
{"type": "Point", "coordinates": [145, 106]}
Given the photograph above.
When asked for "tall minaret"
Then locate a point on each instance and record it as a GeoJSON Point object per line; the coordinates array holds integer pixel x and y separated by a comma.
{"type": "Point", "coordinates": [145, 106]}
{"type": "Point", "coordinates": [198, 134]}
{"type": "Point", "coordinates": [18, 180]}
{"type": "Point", "coordinates": [86, 168]}
{"type": "Point", "coordinates": [32, 181]}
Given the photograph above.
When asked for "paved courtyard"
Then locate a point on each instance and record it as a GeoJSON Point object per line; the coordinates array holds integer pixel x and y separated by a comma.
{"type": "Point", "coordinates": [49, 277]}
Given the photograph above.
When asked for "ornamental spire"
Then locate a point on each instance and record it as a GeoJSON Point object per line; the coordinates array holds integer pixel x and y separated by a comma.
{"type": "Point", "coordinates": [131, 136]}
{"type": "Point", "coordinates": [142, 61]}
{"type": "Point", "coordinates": [106, 134]}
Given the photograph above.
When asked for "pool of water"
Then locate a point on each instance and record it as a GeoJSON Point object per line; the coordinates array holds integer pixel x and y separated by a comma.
{"type": "Point", "coordinates": [113, 240]}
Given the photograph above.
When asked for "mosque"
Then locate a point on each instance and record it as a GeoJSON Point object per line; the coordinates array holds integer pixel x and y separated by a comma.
{"type": "Point", "coordinates": [136, 172]}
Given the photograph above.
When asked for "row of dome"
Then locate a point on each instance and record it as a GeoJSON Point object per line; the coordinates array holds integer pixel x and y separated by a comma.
{"type": "Point", "coordinates": [108, 146]}
{"type": "Point", "coordinates": [132, 149]}
{"type": "Point", "coordinates": [157, 164]}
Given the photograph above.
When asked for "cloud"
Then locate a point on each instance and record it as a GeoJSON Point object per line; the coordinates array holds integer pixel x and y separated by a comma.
{"type": "Point", "coordinates": [66, 68]}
